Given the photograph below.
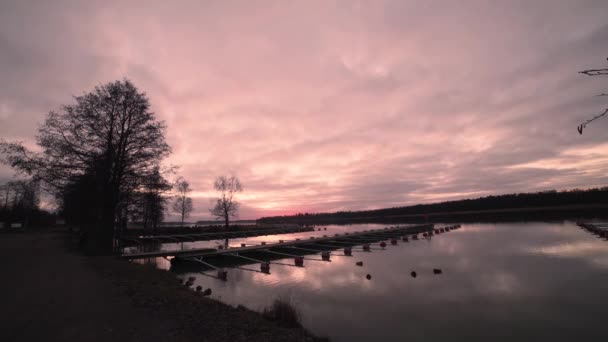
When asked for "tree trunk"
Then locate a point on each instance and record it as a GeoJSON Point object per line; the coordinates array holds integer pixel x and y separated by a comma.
{"type": "Point", "coordinates": [226, 219]}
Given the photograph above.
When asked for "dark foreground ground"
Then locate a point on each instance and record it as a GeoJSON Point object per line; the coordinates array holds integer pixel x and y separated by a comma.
{"type": "Point", "coordinates": [50, 293]}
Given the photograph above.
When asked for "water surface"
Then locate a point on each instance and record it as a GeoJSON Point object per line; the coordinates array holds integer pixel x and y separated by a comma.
{"type": "Point", "coordinates": [507, 282]}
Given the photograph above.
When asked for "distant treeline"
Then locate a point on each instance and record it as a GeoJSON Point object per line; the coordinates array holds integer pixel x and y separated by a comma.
{"type": "Point", "coordinates": [20, 204]}
{"type": "Point", "coordinates": [523, 206]}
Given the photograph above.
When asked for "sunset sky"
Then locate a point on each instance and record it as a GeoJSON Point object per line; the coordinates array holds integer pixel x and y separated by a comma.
{"type": "Point", "coordinates": [332, 105]}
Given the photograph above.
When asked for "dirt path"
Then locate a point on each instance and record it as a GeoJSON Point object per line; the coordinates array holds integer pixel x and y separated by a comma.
{"type": "Point", "coordinates": [48, 293]}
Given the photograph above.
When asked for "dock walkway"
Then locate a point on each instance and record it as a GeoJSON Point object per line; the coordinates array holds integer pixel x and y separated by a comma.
{"type": "Point", "coordinates": [143, 239]}
{"type": "Point", "coordinates": [360, 235]}
{"type": "Point", "coordinates": [598, 228]}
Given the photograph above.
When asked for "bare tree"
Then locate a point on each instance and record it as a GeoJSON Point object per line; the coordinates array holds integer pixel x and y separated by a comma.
{"type": "Point", "coordinates": [593, 72]}
{"type": "Point", "coordinates": [24, 203]}
{"type": "Point", "coordinates": [226, 205]}
{"type": "Point", "coordinates": [183, 203]}
{"type": "Point", "coordinates": [111, 136]}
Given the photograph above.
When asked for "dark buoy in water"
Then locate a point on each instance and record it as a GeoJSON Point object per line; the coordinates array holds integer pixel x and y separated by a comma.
{"type": "Point", "coordinates": [413, 274]}
{"type": "Point", "coordinates": [325, 256]}
{"type": "Point", "coordinates": [181, 281]}
{"type": "Point", "coordinates": [366, 247]}
{"type": "Point", "coordinates": [348, 251]}
{"type": "Point", "coordinates": [222, 275]}
{"type": "Point", "coordinates": [382, 244]}
{"type": "Point", "coordinates": [265, 267]}
{"type": "Point", "coordinates": [191, 279]}
{"type": "Point", "coordinates": [369, 276]}
{"type": "Point", "coordinates": [405, 239]}
{"type": "Point", "coordinates": [298, 261]}
{"type": "Point", "coordinates": [207, 292]}
{"type": "Point", "coordinates": [199, 288]}
{"type": "Point", "coordinates": [393, 241]}
{"type": "Point", "coordinates": [437, 271]}
{"type": "Point", "coordinates": [359, 263]}
{"type": "Point", "coordinates": [243, 245]}
{"type": "Point", "coordinates": [325, 228]}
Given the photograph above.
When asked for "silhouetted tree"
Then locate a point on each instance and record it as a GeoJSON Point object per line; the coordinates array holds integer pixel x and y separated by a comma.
{"type": "Point", "coordinates": [111, 136]}
{"type": "Point", "coordinates": [593, 72]}
{"type": "Point", "coordinates": [150, 206]}
{"type": "Point", "coordinates": [20, 201]}
{"type": "Point", "coordinates": [226, 205]}
{"type": "Point", "coordinates": [183, 203]}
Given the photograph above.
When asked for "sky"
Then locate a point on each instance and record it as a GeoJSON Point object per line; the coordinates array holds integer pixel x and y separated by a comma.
{"type": "Point", "coordinates": [321, 106]}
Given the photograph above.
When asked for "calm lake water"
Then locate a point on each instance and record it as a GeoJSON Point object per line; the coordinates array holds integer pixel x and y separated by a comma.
{"type": "Point", "coordinates": [507, 282]}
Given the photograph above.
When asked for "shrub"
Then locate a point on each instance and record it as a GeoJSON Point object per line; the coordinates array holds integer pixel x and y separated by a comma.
{"type": "Point", "coordinates": [284, 312]}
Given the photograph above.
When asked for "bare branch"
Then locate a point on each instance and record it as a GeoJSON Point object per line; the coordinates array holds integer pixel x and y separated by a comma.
{"type": "Point", "coordinates": [584, 124]}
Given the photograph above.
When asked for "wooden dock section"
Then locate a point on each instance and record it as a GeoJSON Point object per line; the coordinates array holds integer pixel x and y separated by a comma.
{"type": "Point", "coordinates": [138, 240]}
{"type": "Point", "coordinates": [597, 228]}
{"type": "Point", "coordinates": [354, 238]}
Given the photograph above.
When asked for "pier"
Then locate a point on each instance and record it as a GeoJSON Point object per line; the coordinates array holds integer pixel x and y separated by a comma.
{"type": "Point", "coordinates": [167, 238]}
{"type": "Point", "coordinates": [598, 228]}
{"type": "Point", "coordinates": [297, 247]}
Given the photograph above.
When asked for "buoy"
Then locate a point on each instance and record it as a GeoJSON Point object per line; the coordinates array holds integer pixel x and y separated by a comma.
{"type": "Point", "coordinates": [199, 288]}
{"type": "Point", "coordinates": [281, 241]}
{"type": "Point", "coordinates": [406, 239]}
{"type": "Point", "coordinates": [415, 237]}
{"type": "Point", "coordinates": [325, 228]}
{"type": "Point", "coordinates": [265, 267]}
{"type": "Point", "coordinates": [366, 247]}
{"type": "Point", "coordinates": [382, 244]}
{"type": "Point", "coordinates": [263, 242]}
{"type": "Point", "coordinates": [207, 292]}
{"type": "Point", "coordinates": [298, 261]}
{"type": "Point", "coordinates": [424, 234]}
{"type": "Point", "coordinates": [368, 276]}
{"type": "Point", "coordinates": [222, 275]}
{"type": "Point", "coordinates": [413, 274]}
{"type": "Point", "coordinates": [181, 281]}
{"type": "Point", "coordinates": [359, 263]}
{"type": "Point", "coordinates": [243, 245]}
{"type": "Point", "coordinates": [325, 255]}
{"type": "Point", "coordinates": [191, 279]}
{"type": "Point", "coordinates": [393, 241]}
{"type": "Point", "coordinates": [220, 247]}
{"type": "Point", "coordinates": [437, 271]}
{"type": "Point", "coordinates": [348, 251]}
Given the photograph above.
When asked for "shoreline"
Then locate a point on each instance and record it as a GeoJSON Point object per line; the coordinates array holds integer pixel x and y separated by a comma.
{"type": "Point", "coordinates": [54, 293]}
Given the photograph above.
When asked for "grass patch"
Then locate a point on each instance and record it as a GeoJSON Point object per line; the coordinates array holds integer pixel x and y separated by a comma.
{"type": "Point", "coordinates": [284, 312]}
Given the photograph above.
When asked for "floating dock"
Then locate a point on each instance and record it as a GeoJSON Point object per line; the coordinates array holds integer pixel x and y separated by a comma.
{"type": "Point", "coordinates": [598, 228]}
{"type": "Point", "coordinates": [350, 239]}
{"type": "Point", "coordinates": [146, 239]}
{"type": "Point", "coordinates": [299, 250]}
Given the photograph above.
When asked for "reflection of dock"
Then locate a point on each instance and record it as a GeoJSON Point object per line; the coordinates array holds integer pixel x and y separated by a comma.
{"type": "Point", "coordinates": [137, 240]}
{"type": "Point", "coordinates": [598, 228]}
